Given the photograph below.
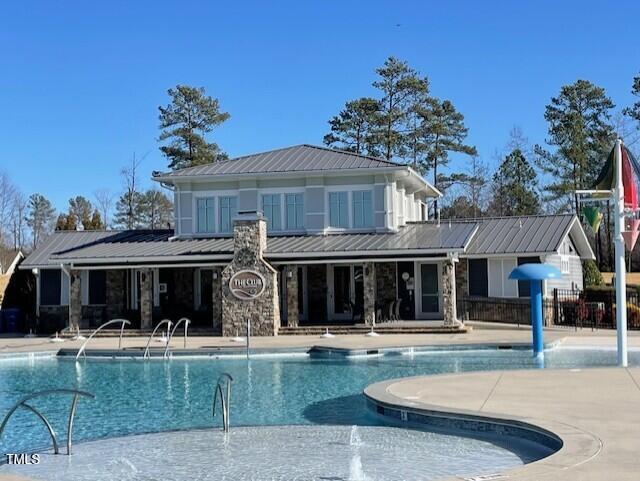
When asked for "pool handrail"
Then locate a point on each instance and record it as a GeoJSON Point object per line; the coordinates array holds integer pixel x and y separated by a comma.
{"type": "Point", "coordinates": [224, 403]}
{"type": "Point", "coordinates": [186, 327]}
{"type": "Point", "coordinates": [23, 403]}
{"type": "Point", "coordinates": [96, 330]}
{"type": "Point", "coordinates": [146, 349]}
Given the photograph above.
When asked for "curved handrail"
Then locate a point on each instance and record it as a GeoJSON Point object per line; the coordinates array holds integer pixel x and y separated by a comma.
{"type": "Point", "coordinates": [113, 321]}
{"type": "Point", "coordinates": [23, 403]}
{"type": "Point", "coordinates": [146, 349]}
{"type": "Point", "coordinates": [225, 403]}
{"type": "Point", "coordinates": [186, 326]}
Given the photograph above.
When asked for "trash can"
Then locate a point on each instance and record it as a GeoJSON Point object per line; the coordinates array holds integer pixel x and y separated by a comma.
{"type": "Point", "coordinates": [10, 320]}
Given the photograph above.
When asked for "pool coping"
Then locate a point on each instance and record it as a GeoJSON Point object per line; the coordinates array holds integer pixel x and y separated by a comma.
{"type": "Point", "coordinates": [576, 445]}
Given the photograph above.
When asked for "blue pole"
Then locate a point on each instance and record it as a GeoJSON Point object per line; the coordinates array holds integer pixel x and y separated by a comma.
{"type": "Point", "coordinates": [536, 318]}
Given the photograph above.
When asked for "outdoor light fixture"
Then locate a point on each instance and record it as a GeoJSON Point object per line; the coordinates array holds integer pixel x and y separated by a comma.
{"type": "Point", "coordinates": [289, 274]}
{"type": "Point", "coordinates": [215, 275]}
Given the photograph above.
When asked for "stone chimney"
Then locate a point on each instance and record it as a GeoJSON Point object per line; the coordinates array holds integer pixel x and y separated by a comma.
{"type": "Point", "coordinates": [249, 282]}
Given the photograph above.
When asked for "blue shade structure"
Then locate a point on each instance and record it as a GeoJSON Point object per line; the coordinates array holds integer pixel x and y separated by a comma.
{"type": "Point", "coordinates": [535, 274]}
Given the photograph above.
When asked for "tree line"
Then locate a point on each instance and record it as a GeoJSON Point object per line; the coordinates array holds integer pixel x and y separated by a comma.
{"type": "Point", "coordinates": [403, 122]}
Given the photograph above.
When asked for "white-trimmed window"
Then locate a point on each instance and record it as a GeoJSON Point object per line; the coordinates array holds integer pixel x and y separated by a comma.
{"type": "Point", "coordinates": [362, 209]}
{"type": "Point", "coordinates": [498, 276]}
{"type": "Point", "coordinates": [205, 207]}
{"type": "Point", "coordinates": [228, 209]}
{"type": "Point", "coordinates": [565, 264]}
{"type": "Point", "coordinates": [271, 209]}
{"type": "Point", "coordinates": [338, 209]}
{"type": "Point", "coordinates": [294, 211]}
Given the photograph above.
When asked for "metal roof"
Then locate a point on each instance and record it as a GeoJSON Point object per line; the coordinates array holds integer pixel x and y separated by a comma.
{"type": "Point", "coordinates": [520, 235]}
{"type": "Point", "coordinates": [492, 236]}
{"type": "Point", "coordinates": [299, 158]}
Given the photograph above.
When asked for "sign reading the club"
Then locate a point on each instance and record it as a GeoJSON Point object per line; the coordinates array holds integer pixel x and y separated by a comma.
{"type": "Point", "coordinates": [246, 284]}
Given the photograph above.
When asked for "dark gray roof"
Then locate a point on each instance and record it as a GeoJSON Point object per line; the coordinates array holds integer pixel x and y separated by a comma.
{"type": "Point", "coordinates": [299, 158]}
{"type": "Point", "coordinates": [127, 246]}
{"type": "Point", "coordinates": [520, 235]}
{"type": "Point", "coordinates": [492, 236]}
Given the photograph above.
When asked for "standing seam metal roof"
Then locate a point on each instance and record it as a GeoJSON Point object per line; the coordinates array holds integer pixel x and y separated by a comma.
{"type": "Point", "coordinates": [491, 236]}
{"type": "Point", "coordinates": [298, 158]}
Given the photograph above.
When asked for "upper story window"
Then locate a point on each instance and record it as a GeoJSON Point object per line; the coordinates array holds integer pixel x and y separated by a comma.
{"type": "Point", "coordinates": [338, 210]}
{"type": "Point", "coordinates": [205, 207]}
{"type": "Point", "coordinates": [228, 210]}
{"type": "Point", "coordinates": [295, 211]}
{"type": "Point", "coordinates": [362, 209]}
{"type": "Point", "coordinates": [272, 211]}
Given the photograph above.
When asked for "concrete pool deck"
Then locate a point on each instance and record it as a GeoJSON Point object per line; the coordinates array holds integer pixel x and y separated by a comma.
{"type": "Point", "coordinates": [596, 413]}
{"type": "Point", "coordinates": [481, 334]}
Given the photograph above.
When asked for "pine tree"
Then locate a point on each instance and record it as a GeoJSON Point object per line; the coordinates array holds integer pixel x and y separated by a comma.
{"type": "Point", "coordinates": [516, 187]}
{"type": "Point", "coordinates": [354, 129]}
{"type": "Point", "coordinates": [634, 111]}
{"type": "Point", "coordinates": [185, 121]}
{"type": "Point", "coordinates": [442, 131]}
{"type": "Point", "coordinates": [580, 131]}
{"type": "Point", "coordinates": [400, 85]}
{"type": "Point", "coordinates": [40, 217]}
{"type": "Point", "coordinates": [157, 210]}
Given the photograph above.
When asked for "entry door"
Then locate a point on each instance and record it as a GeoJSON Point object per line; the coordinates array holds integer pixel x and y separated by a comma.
{"type": "Point", "coordinates": [346, 292]}
{"type": "Point", "coordinates": [406, 289]}
{"type": "Point", "coordinates": [429, 302]}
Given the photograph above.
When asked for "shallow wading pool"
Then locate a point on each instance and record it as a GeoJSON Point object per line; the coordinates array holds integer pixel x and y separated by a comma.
{"type": "Point", "coordinates": [322, 397]}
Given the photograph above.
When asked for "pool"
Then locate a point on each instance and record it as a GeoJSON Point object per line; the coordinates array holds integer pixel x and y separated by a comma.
{"type": "Point", "coordinates": [134, 397]}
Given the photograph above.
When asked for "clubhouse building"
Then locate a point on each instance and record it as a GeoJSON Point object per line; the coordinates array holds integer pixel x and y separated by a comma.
{"type": "Point", "coordinates": [299, 236]}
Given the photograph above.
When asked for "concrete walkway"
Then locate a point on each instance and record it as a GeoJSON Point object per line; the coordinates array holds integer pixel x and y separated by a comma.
{"type": "Point", "coordinates": [596, 413]}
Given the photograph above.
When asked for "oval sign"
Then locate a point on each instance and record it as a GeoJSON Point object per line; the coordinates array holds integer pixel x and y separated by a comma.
{"type": "Point", "coordinates": [246, 284]}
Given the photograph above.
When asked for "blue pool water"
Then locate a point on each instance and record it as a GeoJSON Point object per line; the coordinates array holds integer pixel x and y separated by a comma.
{"type": "Point", "coordinates": [152, 396]}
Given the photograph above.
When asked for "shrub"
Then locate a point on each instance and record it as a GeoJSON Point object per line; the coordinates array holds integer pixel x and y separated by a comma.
{"type": "Point", "coordinates": [591, 274]}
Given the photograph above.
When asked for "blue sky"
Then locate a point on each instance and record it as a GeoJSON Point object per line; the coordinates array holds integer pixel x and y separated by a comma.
{"type": "Point", "coordinates": [80, 82]}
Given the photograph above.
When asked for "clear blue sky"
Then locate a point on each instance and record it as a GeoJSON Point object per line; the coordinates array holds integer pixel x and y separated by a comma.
{"type": "Point", "coordinates": [80, 82]}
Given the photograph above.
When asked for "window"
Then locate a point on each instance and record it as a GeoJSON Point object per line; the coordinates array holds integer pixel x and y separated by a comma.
{"type": "Point", "coordinates": [97, 287]}
{"type": "Point", "coordinates": [295, 211]}
{"type": "Point", "coordinates": [565, 266]}
{"type": "Point", "coordinates": [499, 283]}
{"type": "Point", "coordinates": [478, 279]}
{"type": "Point", "coordinates": [50, 287]}
{"type": "Point", "coordinates": [205, 214]}
{"type": "Point", "coordinates": [271, 210]}
{"type": "Point", "coordinates": [228, 210]}
{"type": "Point", "coordinates": [362, 209]}
{"type": "Point", "coordinates": [338, 213]}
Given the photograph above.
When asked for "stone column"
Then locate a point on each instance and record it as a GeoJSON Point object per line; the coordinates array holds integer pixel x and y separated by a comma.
{"type": "Point", "coordinates": [291, 276]}
{"type": "Point", "coordinates": [146, 298]}
{"type": "Point", "coordinates": [449, 293]}
{"type": "Point", "coordinates": [75, 300]}
{"type": "Point", "coordinates": [369, 282]}
{"type": "Point", "coordinates": [115, 293]}
{"type": "Point", "coordinates": [216, 301]}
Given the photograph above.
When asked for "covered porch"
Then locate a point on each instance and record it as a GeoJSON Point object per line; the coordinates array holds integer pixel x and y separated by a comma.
{"type": "Point", "coordinates": [368, 292]}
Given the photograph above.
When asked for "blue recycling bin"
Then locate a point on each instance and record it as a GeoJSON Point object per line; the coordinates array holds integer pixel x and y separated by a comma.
{"type": "Point", "coordinates": [10, 320]}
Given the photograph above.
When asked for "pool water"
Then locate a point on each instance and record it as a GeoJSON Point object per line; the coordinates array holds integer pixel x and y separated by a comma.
{"type": "Point", "coordinates": [152, 396]}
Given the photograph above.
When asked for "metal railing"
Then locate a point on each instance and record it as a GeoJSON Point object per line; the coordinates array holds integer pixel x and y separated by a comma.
{"type": "Point", "coordinates": [164, 321]}
{"type": "Point", "coordinates": [113, 321]}
{"type": "Point", "coordinates": [224, 402]}
{"type": "Point", "coordinates": [72, 413]}
{"type": "Point", "coordinates": [186, 327]}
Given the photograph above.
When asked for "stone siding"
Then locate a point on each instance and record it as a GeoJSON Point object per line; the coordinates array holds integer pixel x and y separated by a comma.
{"type": "Point", "coordinates": [369, 297]}
{"type": "Point", "coordinates": [291, 276]}
{"type": "Point", "coordinates": [115, 295]}
{"type": "Point", "coordinates": [216, 301]}
{"type": "Point", "coordinates": [146, 298]}
{"type": "Point", "coordinates": [250, 241]}
{"type": "Point", "coordinates": [317, 292]}
{"type": "Point", "coordinates": [448, 293]}
{"type": "Point", "coordinates": [75, 300]}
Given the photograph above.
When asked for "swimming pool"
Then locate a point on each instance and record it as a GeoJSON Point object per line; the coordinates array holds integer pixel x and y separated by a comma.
{"type": "Point", "coordinates": [153, 396]}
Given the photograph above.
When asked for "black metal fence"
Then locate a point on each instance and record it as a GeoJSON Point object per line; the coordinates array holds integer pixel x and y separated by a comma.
{"type": "Point", "coordinates": [593, 309]}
